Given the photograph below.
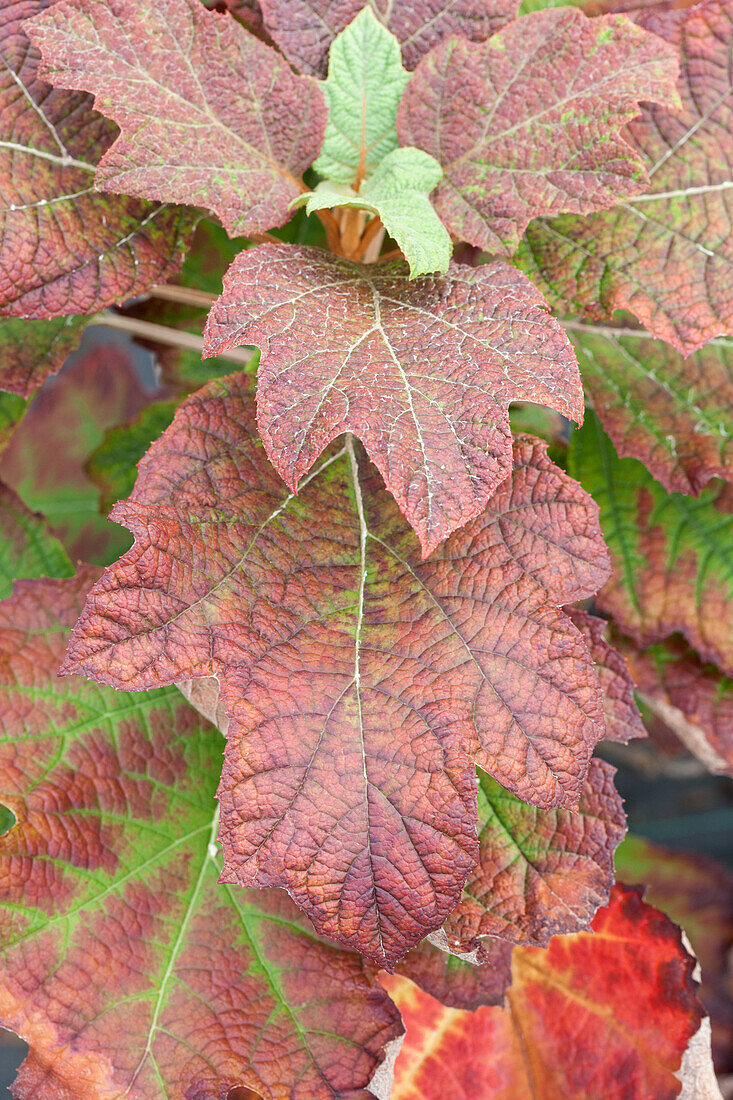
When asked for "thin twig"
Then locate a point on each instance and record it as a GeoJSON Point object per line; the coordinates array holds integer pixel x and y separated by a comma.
{"type": "Point", "coordinates": [161, 334]}
{"type": "Point", "coordinates": [184, 295]}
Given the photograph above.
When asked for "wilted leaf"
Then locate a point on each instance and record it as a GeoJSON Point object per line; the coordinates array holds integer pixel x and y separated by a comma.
{"type": "Point", "coordinates": [696, 893]}
{"type": "Point", "coordinates": [397, 193]}
{"type": "Point", "coordinates": [209, 114]}
{"type": "Point", "coordinates": [693, 699]}
{"type": "Point", "coordinates": [674, 414]}
{"type": "Point", "coordinates": [64, 248]}
{"type": "Point", "coordinates": [665, 255]}
{"type": "Point", "coordinates": [125, 967]}
{"type": "Point", "coordinates": [46, 456]}
{"type": "Point", "coordinates": [360, 682]}
{"type": "Point", "coordinates": [529, 122]}
{"type": "Point", "coordinates": [605, 1015]}
{"type": "Point", "coordinates": [27, 547]}
{"type": "Point", "coordinates": [422, 372]}
{"type": "Point", "coordinates": [623, 721]}
{"type": "Point", "coordinates": [31, 350]}
{"type": "Point", "coordinates": [304, 29]}
{"type": "Point", "coordinates": [672, 555]}
{"type": "Point", "coordinates": [539, 872]}
{"type": "Point", "coordinates": [363, 91]}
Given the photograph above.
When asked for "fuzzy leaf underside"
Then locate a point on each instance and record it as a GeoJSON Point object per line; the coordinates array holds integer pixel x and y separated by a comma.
{"type": "Point", "coordinates": [674, 414]}
{"type": "Point", "coordinates": [165, 73]}
{"type": "Point", "coordinates": [666, 255]}
{"type": "Point", "coordinates": [624, 994]}
{"type": "Point", "coordinates": [65, 248]}
{"type": "Point", "coordinates": [360, 682]}
{"type": "Point", "coordinates": [422, 372]}
{"type": "Point", "coordinates": [672, 555]}
{"type": "Point", "coordinates": [305, 29]}
{"type": "Point", "coordinates": [540, 873]}
{"type": "Point", "coordinates": [126, 968]}
{"type": "Point", "coordinates": [529, 122]}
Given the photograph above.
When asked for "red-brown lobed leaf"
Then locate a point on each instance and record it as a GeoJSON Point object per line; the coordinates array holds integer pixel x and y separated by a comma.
{"type": "Point", "coordinates": [529, 122]}
{"type": "Point", "coordinates": [421, 371]}
{"type": "Point", "coordinates": [64, 248]}
{"type": "Point", "coordinates": [481, 978]}
{"type": "Point", "coordinates": [623, 721]}
{"type": "Point", "coordinates": [539, 872]}
{"type": "Point", "coordinates": [304, 29]}
{"type": "Point", "coordinates": [666, 255]}
{"type": "Point", "coordinates": [126, 968]}
{"type": "Point", "coordinates": [607, 1014]}
{"type": "Point", "coordinates": [360, 682]}
{"type": "Point", "coordinates": [209, 114]}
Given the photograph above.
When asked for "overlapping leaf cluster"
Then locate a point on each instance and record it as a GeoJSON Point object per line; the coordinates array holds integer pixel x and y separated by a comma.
{"type": "Point", "coordinates": [350, 563]}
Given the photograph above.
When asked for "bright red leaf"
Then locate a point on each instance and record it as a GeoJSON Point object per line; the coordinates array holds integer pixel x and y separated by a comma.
{"type": "Point", "coordinates": [64, 248]}
{"type": "Point", "coordinates": [209, 114]}
{"type": "Point", "coordinates": [665, 255]}
{"type": "Point", "coordinates": [304, 29]}
{"type": "Point", "coordinates": [422, 371]}
{"type": "Point", "coordinates": [605, 1015]}
{"type": "Point", "coordinates": [126, 968]}
{"type": "Point", "coordinates": [360, 682]}
{"type": "Point", "coordinates": [539, 872]}
{"type": "Point", "coordinates": [529, 122]}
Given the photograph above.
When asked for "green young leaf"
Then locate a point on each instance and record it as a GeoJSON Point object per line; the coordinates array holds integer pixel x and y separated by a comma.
{"type": "Point", "coordinates": [672, 555]}
{"type": "Point", "coordinates": [398, 194]}
{"type": "Point", "coordinates": [363, 91]}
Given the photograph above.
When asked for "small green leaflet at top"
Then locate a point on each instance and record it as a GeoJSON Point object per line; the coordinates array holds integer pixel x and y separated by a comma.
{"type": "Point", "coordinates": [397, 194]}
{"type": "Point", "coordinates": [363, 92]}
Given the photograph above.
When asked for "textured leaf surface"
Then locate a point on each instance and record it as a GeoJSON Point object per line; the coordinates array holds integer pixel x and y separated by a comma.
{"type": "Point", "coordinates": [539, 872]}
{"type": "Point", "coordinates": [672, 555]}
{"type": "Point", "coordinates": [32, 350]}
{"type": "Point", "coordinates": [459, 982]}
{"type": "Point", "coordinates": [696, 893]}
{"type": "Point", "coordinates": [209, 114]}
{"type": "Point", "coordinates": [27, 547]}
{"type": "Point", "coordinates": [623, 721]}
{"type": "Point", "coordinates": [304, 29]}
{"type": "Point", "coordinates": [422, 372]}
{"type": "Point", "coordinates": [126, 968]}
{"type": "Point", "coordinates": [398, 194]}
{"type": "Point", "coordinates": [529, 122]}
{"type": "Point", "coordinates": [665, 255]}
{"type": "Point", "coordinates": [363, 91]}
{"type": "Point", "coordinates": [63, 247]}
{"type": "Point", "coordinates": [360, 682]}
{"type": "Point", "coordinates": [45, 459]}
{"type": "Point", "coordinates": [693, 699]}
{"type": "Point", "coordinates": [622, 999]}
{"type": "Point", "coordinates": [675, 415]}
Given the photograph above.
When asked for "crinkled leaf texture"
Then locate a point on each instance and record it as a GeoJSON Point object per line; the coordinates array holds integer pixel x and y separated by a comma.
{"type": "Point", "coordinates": [32, 350]}
{"type": "Point", "coordinates": [623, 721]}
{"type": "Point", "coordinates": [209, 114]}
{"type": "Point", "coordinates": [398, 193]}
{"type": "Point", "coordinates": [539, 872]}
{"type": "Point", "coordinates": [467, 981]}
{"type": "Point", "coordinates": [666, 255]}
{"type": "Point", "coordinates": [607, 1014]}
{"type": "Point", "coordinates": [360, 682]}
{"type": "Point", "coordinates": [528, 123]}
{"type": "Point", "coordinates": [64, 248]}
{"type": "Point", "coordinates": [694, 700]}
{"type": "Point", "coordinates": [672, 555]}
{"type": "Point", "coordinates": [422, 372]}
{"type": "Point", "coordinates": [126, 968]}
{"type": "Point", "coordinates": [674, 414]}
{"type": "Point", "coordinates": [304, 29]}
